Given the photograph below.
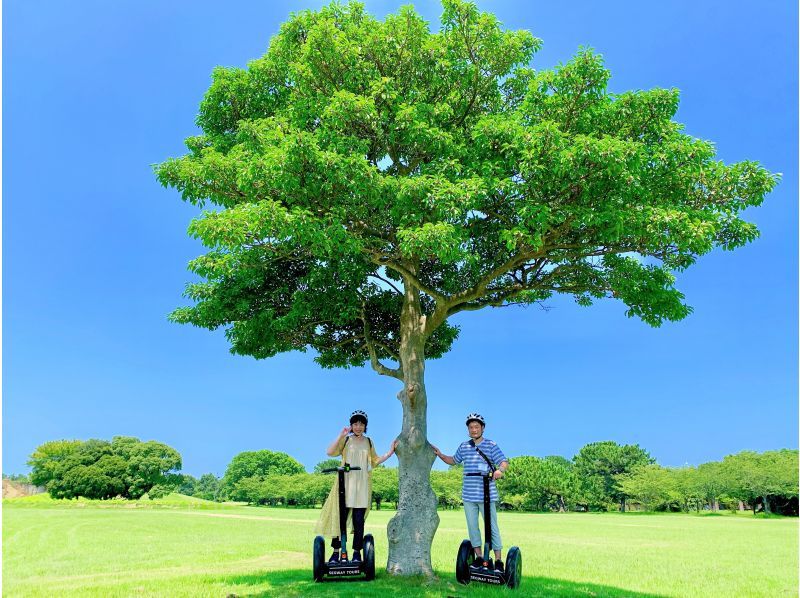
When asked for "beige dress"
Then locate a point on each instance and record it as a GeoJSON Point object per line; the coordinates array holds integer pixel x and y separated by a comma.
{"type": "Point", "coordinates": [358, 452]}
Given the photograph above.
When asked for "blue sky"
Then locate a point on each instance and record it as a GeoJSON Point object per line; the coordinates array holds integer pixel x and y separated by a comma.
{"type": "Point", "coordinates": [95, 252]}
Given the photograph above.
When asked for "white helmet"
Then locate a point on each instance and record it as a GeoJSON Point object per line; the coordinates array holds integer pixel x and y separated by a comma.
{"type": "Point", "coordinates": [358, 414]}
{"type": "Point", "coordinates": [476, 417]}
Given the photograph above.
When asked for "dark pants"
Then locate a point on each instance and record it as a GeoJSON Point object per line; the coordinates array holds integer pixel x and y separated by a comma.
{"type": "Point", "coordinates": [358, 531]}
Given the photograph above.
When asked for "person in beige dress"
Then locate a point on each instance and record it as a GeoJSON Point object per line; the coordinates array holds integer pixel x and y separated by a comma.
{"type": "Point", "coordinates": [357, 450]}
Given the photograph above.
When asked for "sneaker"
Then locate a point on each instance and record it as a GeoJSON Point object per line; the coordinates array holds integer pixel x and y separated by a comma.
{"type": "Point", "coordinates": [334, 557]}
{"type": "Point", "coordinates": [356, 556]}
{"type": "Point", "coordinates": [498, 566]}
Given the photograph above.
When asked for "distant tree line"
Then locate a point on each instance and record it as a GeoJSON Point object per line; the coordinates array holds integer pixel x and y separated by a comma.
{"type": "Point", "coordinates": [760, 481]}
{"type": "Point", "coordinates": [607, 476]}
{"type": "Point", "coordinates": [602, 476]}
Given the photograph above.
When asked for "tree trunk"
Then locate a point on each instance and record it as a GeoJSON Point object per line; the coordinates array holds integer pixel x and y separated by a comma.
{"type": "Point", "coordinates": [561, 506]}
{"type": "Point", "coordinates": [622, 505]}
{"type": "Point", "coordinates": [714, 505]}
{"type": "Point", "coordinates": [741, 505]}
{"type": "Point", "coordinates": [412, 529]}
{"type": "Point", "coordinates": [766, 504]}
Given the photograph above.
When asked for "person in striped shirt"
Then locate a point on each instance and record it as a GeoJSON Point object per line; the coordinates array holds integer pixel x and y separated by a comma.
{"type": "Point", "coordinates": [472, 486]}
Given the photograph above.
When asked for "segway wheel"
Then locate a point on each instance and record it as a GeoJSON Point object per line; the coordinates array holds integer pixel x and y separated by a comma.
{"type": "Point", "coordinates": [319, 558]}
{"type": "Point", "coordinates": [513, 568]}
{"type": "Point", "coordinates": [369, 557]}
{"type": "Point", "coordinates": [464, 559]}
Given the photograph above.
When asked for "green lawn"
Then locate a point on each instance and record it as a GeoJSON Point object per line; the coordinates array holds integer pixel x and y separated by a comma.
{"type": "Point", "coordinates": [186, 547]}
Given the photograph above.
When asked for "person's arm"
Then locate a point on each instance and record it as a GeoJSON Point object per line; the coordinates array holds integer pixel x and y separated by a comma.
{"type": "Point", "coordinates": [446, 458]}
{"type": "Point", "coordinates": [499, 458]}
{"type": "Point", "coordinates": [387, 455]}
{"type": "Point", "coordinates": [501, 469]}
{"type": "Point", "coordinates": [335, 449]}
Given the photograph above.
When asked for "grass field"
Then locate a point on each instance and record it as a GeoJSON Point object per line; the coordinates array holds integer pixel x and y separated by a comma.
{"type": "Point", "coordinates": [186, 547]}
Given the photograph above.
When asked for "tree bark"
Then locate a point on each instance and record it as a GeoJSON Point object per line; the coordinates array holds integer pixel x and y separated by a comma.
{"type": "Point", "coordinates": [411, 530]}
{"type": "Point", "coordinates": [766, 504]}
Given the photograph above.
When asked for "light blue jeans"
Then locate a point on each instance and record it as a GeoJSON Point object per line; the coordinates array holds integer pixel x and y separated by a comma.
{"type": "Point", "coordinates": [471, 510]}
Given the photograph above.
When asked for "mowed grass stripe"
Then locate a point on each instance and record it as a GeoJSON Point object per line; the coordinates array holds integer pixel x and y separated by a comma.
{"type": "Point", "coordinates": [247, 551]}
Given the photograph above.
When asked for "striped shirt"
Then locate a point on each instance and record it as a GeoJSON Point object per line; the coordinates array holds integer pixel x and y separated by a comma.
{"type": "Point", "coordinates": [472, 488]}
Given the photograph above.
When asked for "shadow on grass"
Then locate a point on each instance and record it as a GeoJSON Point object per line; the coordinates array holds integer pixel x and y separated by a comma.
{"type": "Point", "coordinates": [298, 582]}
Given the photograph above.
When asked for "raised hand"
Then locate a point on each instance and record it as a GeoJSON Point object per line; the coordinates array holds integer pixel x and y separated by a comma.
{"type": "Point", "coordinates": [345, 431]}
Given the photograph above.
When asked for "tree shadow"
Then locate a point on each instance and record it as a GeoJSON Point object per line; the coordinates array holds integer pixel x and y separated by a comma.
{"type": "Point", "coordinates": [298, 582]}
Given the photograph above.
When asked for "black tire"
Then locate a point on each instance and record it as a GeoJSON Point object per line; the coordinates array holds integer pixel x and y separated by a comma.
{"type": "Point", "coordinates": [369, 557]}
{"type": "Point", "coordinates": [319, 558]}
{"type": "Point", "coordinates": [464, 559]}
{"type": "Point", "coordinates": [513, 568]}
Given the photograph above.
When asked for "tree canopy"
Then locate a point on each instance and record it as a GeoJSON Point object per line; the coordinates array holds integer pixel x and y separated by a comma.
{"type": "Point", "coordinates": [359, 156]}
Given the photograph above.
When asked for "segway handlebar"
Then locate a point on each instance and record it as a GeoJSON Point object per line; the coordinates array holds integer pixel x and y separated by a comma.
{"type": "Point", "coordinates": [346, 467]}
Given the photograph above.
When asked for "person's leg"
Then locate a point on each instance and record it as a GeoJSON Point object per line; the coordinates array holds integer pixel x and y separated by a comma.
{"type": "Point", "coordinates": [358, 529]}
{"type": "Point", "coordinates": [497, 543]}
{"type": "Point", "coordinates": [471, 510]}
{"type": "Point", "coordinates": [336, 543]}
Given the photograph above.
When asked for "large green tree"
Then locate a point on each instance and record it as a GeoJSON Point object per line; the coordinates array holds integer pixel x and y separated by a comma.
{"type": "Point", "coordinates": [257, 465]}
{"type": "Point", "coordinates": [598, 465]}
{"type": "Point", "coordinates": [125, 467]}
{"type": "Point", "coordinates": [370, 179]}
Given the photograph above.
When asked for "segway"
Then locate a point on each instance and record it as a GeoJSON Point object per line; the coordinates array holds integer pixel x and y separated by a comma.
{"type": "Point", "coordinates": [344, 567]}
{"type": "Point", "coordinates": [467, 569]}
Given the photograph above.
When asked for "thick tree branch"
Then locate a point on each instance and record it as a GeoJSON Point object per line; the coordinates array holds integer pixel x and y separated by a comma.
{"type": "Point", "coordinates": [382, 259]}
{"type": "Point", "coordinates": [445, 309]}
{"type": "Point", "coordinates": [388, 349]}
{"type": "Point", "coordinates": [373, 354]}
{"type": "Point", "coordinates": [497, 299]}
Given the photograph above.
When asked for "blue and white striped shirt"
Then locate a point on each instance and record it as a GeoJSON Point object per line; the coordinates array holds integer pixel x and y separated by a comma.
{"type": "Point", "coordinates": [472, 488]}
